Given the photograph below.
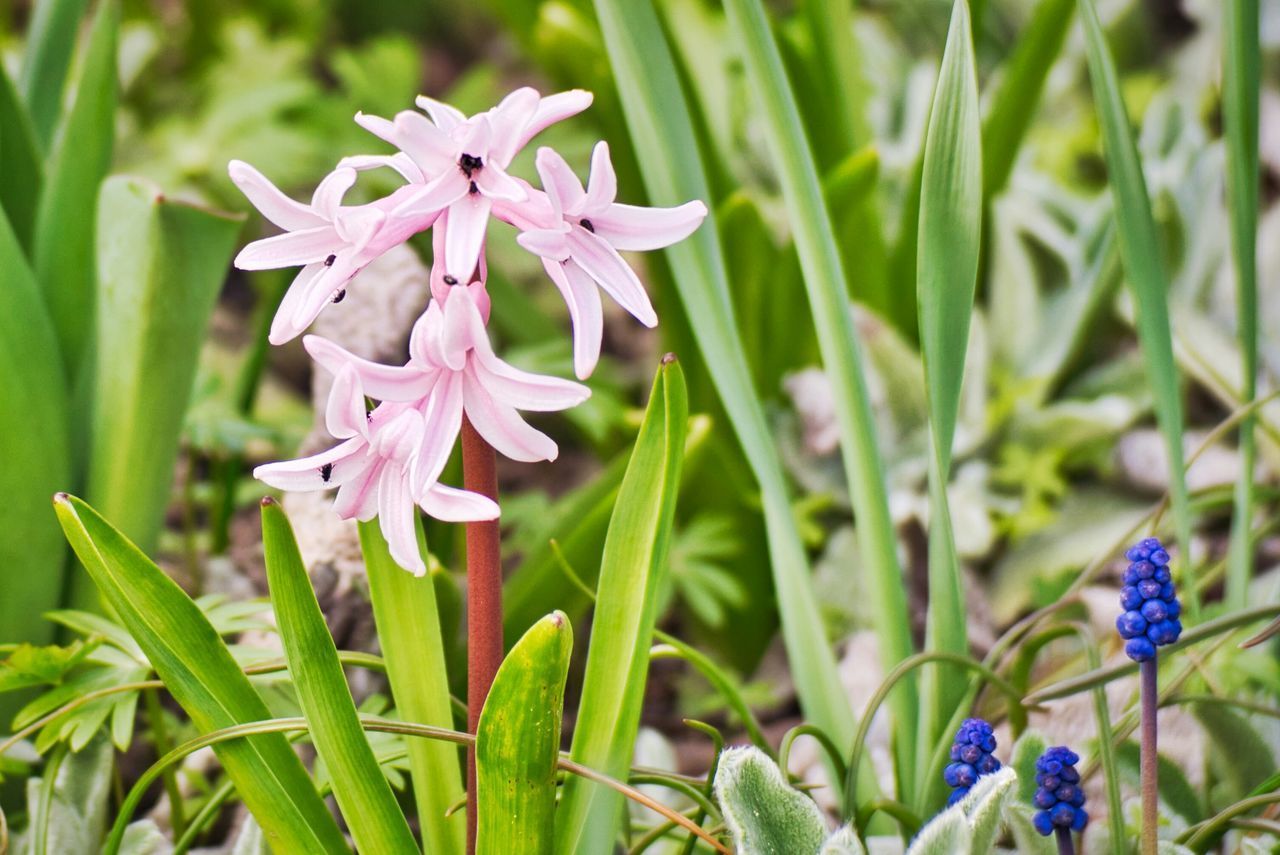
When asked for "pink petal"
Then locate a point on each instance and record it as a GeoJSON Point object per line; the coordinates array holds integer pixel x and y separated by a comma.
{"type": "Point", "coordinates": [602, 187]}
{"type": "Point", "coordinates": [398, 437]}
{"type": "Point", "coordinates": [329, 193]}
{"type": "Point", "coordinates": [583, 300]}
{"type": "Point", "coordinates": [435, 195]}
{"type": "Point", "coordinates": [382, 128]}
{"type": "Point", "coordinates": [283, 326]}
{"type": "Point", "coordinates": [631, 227]}
{"type": "Point", "coordinates": [468, 220]}
{"type": "Point", "coordinates": [510, 119]}
{"type": "Point", "coordinates": [562, 186]}
{"type": "Point", "coordinates": [399, 161]}
{"type": "Point", "coordinates": [521, 389]}
{"type": "Point", "coordinates": [358, 498]}
{"type": "Point", "coordinates": [442, 419]}
{"type": "Point", "coordinates": [395, 518]}
{"type": "Point", "coordinates": [345, 460]}
{"type": "Point", "coordinates": [450, 504]}
{"type": "Point", "coordinates": [383, 382]}
{"type": "Point", "coordinates": [501, 425]}
{"type": "Point", "coordinates": [475, 138]}
{"type": "Point", "coordinates": [429, 146]}
{"type": "Point", "coordinates": [532, 212]}
{"type": "Point", "coordinates": [289, 249]}
{"type": "Point", "coordinates": [552, 109]}
{"type": "Point", "coordinates": [270, 202]}
{"type": "Point", "coordinates": [322, 290]}
{"type": "Point", "coordinates": [425, 341]}
{"type": "Point", "coordinates": [547, 243]}
{"type": "Point", "coordinates": [344, 414]}
{"type": "Point", "coordinates": [496, 184]}
{"type": "Point", "coordinates": [603, 264]}
{"type": "Point", "coordinates": [445, 116]}
{"type": "Point", "coordinates": [462, 328]}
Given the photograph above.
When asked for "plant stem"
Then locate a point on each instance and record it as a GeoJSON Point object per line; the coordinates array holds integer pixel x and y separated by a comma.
{"type": "Point", "coordinates": [163, 744]}
{"type": "Point", "coordinates": [1150, 801]}
{"type": "Point", "coordinates": [1065, 846]}
{"type": "Point", "coordinates": [484, 600]}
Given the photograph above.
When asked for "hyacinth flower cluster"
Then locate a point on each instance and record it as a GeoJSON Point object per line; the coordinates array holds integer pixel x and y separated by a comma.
{"type": "Point", "coordinates": [972, 756]}
{"type": "Point", "coordinates": [1059, 797]}
{"type": "Point", "coordinates": [389, 459]}
{"type": "Point", "coordinates": [1151, 606]}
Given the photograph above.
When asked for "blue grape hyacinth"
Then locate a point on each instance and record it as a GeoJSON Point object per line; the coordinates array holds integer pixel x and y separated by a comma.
{"type": "Point", "coordinates": [1059, 797]}
{"type": "Point", "coordinates": [1151, 607]}
{"type": "Point", "coordinates": [971, 757]}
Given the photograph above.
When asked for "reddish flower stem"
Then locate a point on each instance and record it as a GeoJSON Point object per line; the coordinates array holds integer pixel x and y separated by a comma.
{"type": "Point", "coordinates": [1150, 691]}
{"type": "Point", "coordinates": [1065, 844]}
{"type": "Point", "coordinates": [484, 600]}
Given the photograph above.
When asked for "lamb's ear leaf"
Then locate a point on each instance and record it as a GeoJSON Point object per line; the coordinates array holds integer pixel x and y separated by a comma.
{"type": "Point", "coordinates": [949, 833]}
{"type": "Point", "coordinates": [844, 842]}
{"type": "Point", "coordinates": [985, 806]}
{"type": "Point", "coordinates": [763, 812]}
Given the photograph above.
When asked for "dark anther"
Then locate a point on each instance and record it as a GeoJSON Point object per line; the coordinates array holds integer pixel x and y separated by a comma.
{"type": "Point", "coordinates": [450, 280]}
{"type": "Point", "coordinates": [469, 163]}
{"type": "Point", "coordinates": [474, 188]}
{"type": "Point", "coordinates": [586, 224]}
{"type": "Point", "coordinates": [325, 472]}
{"type": "Point", "coordinates": [340, 296]}
{"type": "Point", "coordinates": [328, 262]}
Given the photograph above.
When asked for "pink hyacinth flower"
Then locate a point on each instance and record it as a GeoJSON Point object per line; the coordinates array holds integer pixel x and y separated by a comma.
{"type": "Point", "coordinates": [460, 162]}
{"type": "Point", "coordinates": [331, 241]}
{"type": "Point", "coordinates": [372, 469]}
{"type": "Point", "coordinates": [453, 370]}
{"type": "Point", "coordinates": [580, 239]}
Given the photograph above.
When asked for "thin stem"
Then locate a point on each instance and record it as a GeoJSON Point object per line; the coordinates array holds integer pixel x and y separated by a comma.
{"type": "Point", "coordinates": [1150, 800]}
{"type": "Point", "coordinates": [1065, 845]}
{"type": "Point", "coordinates": [484, 599]}
{"type": "Point", "coordinates": [163, 744]}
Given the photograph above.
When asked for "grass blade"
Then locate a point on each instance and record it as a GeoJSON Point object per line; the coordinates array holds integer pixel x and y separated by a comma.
{"type": "Point", "coordinates": [363, 794]}
{"type": "Point", "coordinates": [63, 257]}
{"type": "Point", "coordinates": [148, 340]}
{"type": "Point", "coordinates": [1144, 270]}
{"type": "Point", "coordinates": [1240, 75]}
{"type": "Point", "coordinates": [198, 671]}
{"type": "Point", "coordinates": [1013, 106]}
{"type": "Point", "coordinates": [946, 275]}
{"type": "Point", "coordinates": [658, 119]}
{"type": "Point", "coordinates": [23, 164]}
{"type": "Point", "coordinates": [50, 41]}
{"type": "Point", "coordinates": [34, 444]}
{"type": "Point", "coordinates": [635, 555]}
{"type": "Point", "coordinates": [408, 623]}
{"type": "Point", "coordinates": [518, 742]}
{"type": "Point", "coordinates": [829, 25]}
{"type": "Point", "coordinates": [824, 279]}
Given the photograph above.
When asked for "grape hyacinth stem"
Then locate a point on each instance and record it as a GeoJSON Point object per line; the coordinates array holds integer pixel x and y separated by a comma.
{"type": "Point", "coordinates": [1065, 845]}
{"type": "Point", "coordinates": [484, 599]}
{"type": "Point", "coordinates": [1150, 801]}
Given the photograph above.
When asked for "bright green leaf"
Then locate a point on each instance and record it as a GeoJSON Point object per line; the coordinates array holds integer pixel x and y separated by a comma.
{"type": "Point", "coordinates": [765, 815]}
{"type": "Point", "coordinates": [50, 40]}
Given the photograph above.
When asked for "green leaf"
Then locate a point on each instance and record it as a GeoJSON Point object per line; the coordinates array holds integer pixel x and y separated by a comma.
{"type": "Point", "coordinates": [68, 813]}
{"type": "Point", "coordinates": [199, 672]}
{"type": "Point", "coordinates": [825, 283]}
{"type": "Point", "coordinates": [844, 91]}
{"type": "Point", "coordinates": [1014, 104]}
{"type": "Point", "coordinates": [948, 833]}
{"type": "Point", "coordinates": [518, 742]}
{"type": "Point", "coordinates": [363, 795]}
{"type": "Point", "coordinates": [63, 256]}
{"type": "Point", "coordinates": [50, 41]}
{"type": "Point", "coordinates": [144, 837]}
{"type": "Point", "coordinates": [635, 555]}
{"type": "Point", "coordinates": [843, 842]}
{"type": "Point", "coordinates": [850, 190]}
{"type": "Point", "coordinates": [946, 275]}
{"type": "Point", "coordinates": [985, 804]}
{"type": "Point", "coordinates": [34, 445]}
{"type": "Point", "coordinates": [24, 166]}
{"type": "Point", "coordinates": [407, 617]}
{"type": "Point", "coordinates": [1144, 269]}
{"type": "Point", "coordinates": [1175, 790]}
{"type": "Point", "coordinates": [149, 333]}
{"type": "Point", "coordinates": [658, 118]}
{"type": "Point", "coordinates": [1241, 757]}
{"type": "Point", "coordinates": [765, 815]}
{"type": "Point", "coordinates": [1240, 105]}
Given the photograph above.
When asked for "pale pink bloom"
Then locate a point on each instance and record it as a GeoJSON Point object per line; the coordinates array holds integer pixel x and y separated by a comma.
{"type": "Point", "coordinates": [372, 468]}
{"type": "Point", "coordinates": [460, 162]}
{"type": "Point", "coordinates": [578, 234]}
{"type": "Point", "coordinates": [331, 241]}
{"type": "Point", "coordinates": [453, 370]}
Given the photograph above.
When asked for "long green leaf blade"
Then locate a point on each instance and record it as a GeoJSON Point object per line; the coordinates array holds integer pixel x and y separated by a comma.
{"type": "Point", "coordinates": [658, 118]}
{"type": "Point", "coordinates": [824, 279]}
{"type": "Point", "coordinates": [63, 256]}
{"type": "Point", "coordinates": [946, 275]}
{"type": "Point", "coordinates": [1144, 270]}
{"type": "Point", "coordinates": [518, 742]}
{"type": "Point", "coordinates": [161, 266]}
{"type": "Point", "coordinates": [408, 621]}
{"type": "Point", "coordinates": [361, 789]}
{"type": "Point", "coordinates": [200, 673]}
{"type": "Point", "coordinates": [844, 91]}
{"type": "Point", "coordinates": [23, 164]}
{"type": "Point", "coordinates": [50, 41]}
{"type": "Point", "coordinates": [34, 445]}
{"type": "Point", "coordinates": [635, 555]}
{"type": "Point", "coordinates": [1240, 75]}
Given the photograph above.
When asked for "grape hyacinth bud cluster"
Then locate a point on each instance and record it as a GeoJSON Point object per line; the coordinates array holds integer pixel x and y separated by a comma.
{"type": "Point", "coordinates": [455, 183]}
{"type": "Point", "coordinates": [1151, 607]}
{"type": "Point", "coordinates": [971, 757]}
{"type": "Point", "coordinates": [1059, 796]}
